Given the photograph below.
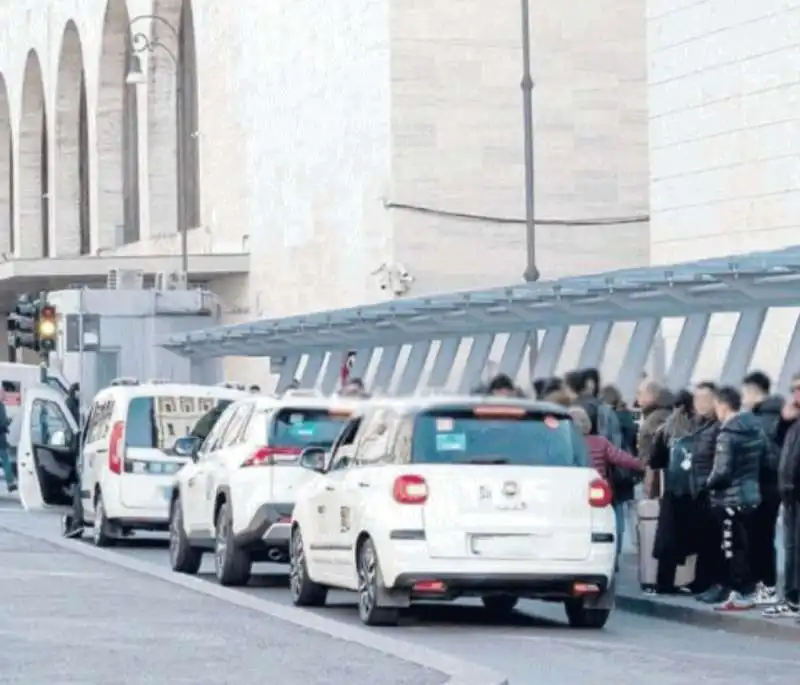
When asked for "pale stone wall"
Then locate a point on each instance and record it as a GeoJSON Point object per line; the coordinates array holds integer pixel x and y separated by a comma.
{"type": "Point", "coordinates": [724, 142]}
{"type": "Point", "coordinates": [313, 114]}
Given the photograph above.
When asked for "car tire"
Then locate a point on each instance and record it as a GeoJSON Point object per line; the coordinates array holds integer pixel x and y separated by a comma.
{"type": "Point", "coordinates": [101, 529]}
{"type": "Point", "coordinates": [500, 605]}
{"type": "Point", "coordinates": [232, 564]}
{"type": "Point", "coordinates": [370, 583]}
{"type": "Point", "coordinates": [305, 592]}
{"type": "Point", "coordinates": [581, 616]}
{"type": "Point", "coordinates": [183, 558]}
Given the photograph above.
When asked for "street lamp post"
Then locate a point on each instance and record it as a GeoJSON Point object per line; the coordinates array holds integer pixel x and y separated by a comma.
{"type": "Point", "coordinates": [142, 42]}
{"type": "Point", "coordinates": [531, 270]}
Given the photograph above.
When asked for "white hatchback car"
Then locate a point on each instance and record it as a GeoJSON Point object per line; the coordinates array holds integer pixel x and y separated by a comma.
{"type": "Point", "coordinates": [434, 499]}
{"type": "Point", "coordinates": [237, 498]}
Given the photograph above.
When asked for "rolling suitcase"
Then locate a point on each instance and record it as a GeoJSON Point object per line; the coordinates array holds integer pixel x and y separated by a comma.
{"type": "Point", "coordinates": [647, 511]}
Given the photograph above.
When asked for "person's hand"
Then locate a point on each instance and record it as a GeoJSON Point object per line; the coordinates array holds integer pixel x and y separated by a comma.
{"type": "Point", "coordinates": [790, 411]}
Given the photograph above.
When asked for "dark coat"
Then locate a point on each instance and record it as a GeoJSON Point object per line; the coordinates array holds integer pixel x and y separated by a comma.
{"type": "Point", "coordinates": [734, 479]}
{"type": "Point", "coordinates": [675, 535]}
{"type": "Point", "coordinates": [5, 424]}
{"type": "Point", "coordinates": [653, 417]}
{"type": "Point", "coordinates": [628, 430]}
{"type": "Point", "coordinates": [789, 464]}
{"type": "Point", "coordinates": [768, 413]}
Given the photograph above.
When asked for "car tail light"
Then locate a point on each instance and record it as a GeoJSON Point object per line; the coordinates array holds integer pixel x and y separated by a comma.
{"type": "Point", "coordinates": [410, 490]}
{"type": "Point", "coordinates": [267, 456]}
{"type": "Point", "coordinates": [116, 449]}
{"type": "Point", "coordinates": [599, 494]}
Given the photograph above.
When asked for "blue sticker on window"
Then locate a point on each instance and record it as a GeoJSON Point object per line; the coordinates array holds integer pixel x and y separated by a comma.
{"type": "Point", "coordinates": [302, 430]}
{"type": "Point", "coordinates": [451, 442]}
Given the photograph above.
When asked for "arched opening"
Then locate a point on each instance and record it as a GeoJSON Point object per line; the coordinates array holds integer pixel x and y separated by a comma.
{"type": "Point", "coordinates": [173, 120]}
{"type": "Point", "coordinates": [33, 160]}
{"type": "Point", "coordinates": [6, 174]}
{"type": "Point", "coordinates": [70, 234]}
{"type": "Point", "coordinates": [187, 122]}
{"type": "Point", "coordinates": [113, 148]}
{"type": "Point", "coordinates": [84, 180]}
{"type": "Point", "coordinates": [130, 127]}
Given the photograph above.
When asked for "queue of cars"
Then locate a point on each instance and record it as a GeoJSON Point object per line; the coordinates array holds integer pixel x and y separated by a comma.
{"type": "Point", "coordinates": [399, 500]}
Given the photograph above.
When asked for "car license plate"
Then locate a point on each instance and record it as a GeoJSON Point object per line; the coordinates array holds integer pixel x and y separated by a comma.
{"type": "Point", "coordinates": [503, 546]}
{"type": "Point", "coordinates": [166, 492]}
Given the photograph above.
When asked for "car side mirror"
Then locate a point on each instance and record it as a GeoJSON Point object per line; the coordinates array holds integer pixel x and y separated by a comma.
{"type": "Point", "coordinates": [313, 459]}
{"type": "Point", "coordinates": [187, 446]}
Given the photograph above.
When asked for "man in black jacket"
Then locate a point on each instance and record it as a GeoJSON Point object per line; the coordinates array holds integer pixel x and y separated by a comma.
{"type": "Point", "coordinates": [789, 491]}
{"type": "Point", "coordinates": [733, 490]}
{"type": "Point", "coordinates": [763, 556]}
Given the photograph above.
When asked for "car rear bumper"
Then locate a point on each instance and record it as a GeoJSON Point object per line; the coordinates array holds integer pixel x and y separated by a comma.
{"type": "Point", "coordinates": [271, 525]}
{"type": "Point", "coordinates": [541, 585]}
{"type": "Point", "coordinates": [404, 562]}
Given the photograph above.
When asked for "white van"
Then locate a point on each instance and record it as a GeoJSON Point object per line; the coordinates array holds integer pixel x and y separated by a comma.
{"type": "Point", "coordinates": [128, 462]}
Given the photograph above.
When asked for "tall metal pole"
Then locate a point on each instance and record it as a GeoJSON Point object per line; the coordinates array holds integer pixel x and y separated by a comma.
{"type": "Point", "coordinates": [531, 270]}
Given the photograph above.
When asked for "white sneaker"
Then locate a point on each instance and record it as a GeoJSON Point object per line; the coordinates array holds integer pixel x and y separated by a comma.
{"type": "Point", "coordinates": [765, 596]}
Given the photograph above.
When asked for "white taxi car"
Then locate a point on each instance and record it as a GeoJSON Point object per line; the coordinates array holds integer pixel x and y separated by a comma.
{"type": "Point", "coordinates": [236, 499]}
{"type": "Point", "coordinates": [128, 463]}
{"type": "Point", "coordinates": [434, 499]}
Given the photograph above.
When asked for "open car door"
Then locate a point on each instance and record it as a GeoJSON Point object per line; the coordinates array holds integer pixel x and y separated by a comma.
{"type": "Point", "coordinates": [48, 449]}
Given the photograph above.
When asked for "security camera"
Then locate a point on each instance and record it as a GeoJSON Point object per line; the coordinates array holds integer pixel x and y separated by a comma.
{"type": "Point", "coordinates": [394, 278]}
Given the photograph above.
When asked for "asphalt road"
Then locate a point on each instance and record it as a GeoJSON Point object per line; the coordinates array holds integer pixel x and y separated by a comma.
{"type": "Point", "coordinates": [533, 647]}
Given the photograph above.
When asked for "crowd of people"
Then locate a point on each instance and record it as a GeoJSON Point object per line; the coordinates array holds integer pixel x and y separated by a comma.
{"type": "Point", "coordinates": [723, 461]}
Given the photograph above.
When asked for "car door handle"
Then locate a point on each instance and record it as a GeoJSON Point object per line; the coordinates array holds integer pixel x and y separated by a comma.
{"type": "Point", "coordinates": [363, 484]}
{"type": "Point", "coordinates": [191, 480]}
{"type": "Point", "coordinates": [102, 450]}
{"type": "Point", "coordinates": [330, 488]}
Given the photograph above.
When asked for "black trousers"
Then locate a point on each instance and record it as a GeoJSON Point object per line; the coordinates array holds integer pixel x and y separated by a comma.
{"type": "Point", "coordinates": [710, 568]}
{"type": "Point", "coordinates": [735, 527]}
{"type": "Point", "coordinates": [791, 542]}
{"type": "Point", "coordinates": [763, 556]}
{"type": "Point", "coordinates": [77, 507]}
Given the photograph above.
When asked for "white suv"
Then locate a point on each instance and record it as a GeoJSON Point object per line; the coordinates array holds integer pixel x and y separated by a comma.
{"type": "Point", "coordinates": [435, 499]}
{"type": "Point", "coordinates": [236, 498]}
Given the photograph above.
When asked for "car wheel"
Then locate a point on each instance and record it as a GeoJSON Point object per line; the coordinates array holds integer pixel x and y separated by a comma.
{"type": "Point", "coordinates": [305, 592]}
{"type": "Point", "coordinates": [500, 605]}
{"type": "Point", "coordinates": [101, 530]}
{"type": "Point", "coordinates": [232, 564]}
{"type": "Point", "coordinates": [581, 616]}
{"type": "Point", "coordinates": [370, 582]}
{"type": "Point", "coordinates": [182, 556]}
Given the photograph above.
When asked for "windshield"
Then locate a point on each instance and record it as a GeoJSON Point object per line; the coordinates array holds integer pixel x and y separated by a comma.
{"type": "Point", "coordinates": [300, 428]}
{"type": "Point", "coordinates": [157, 422]}
{"type": "Point", "coordinates": [461, 437]}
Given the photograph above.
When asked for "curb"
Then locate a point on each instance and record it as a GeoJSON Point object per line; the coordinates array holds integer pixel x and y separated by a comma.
{"type": "Point", "coordinates": [755, 627]}
{"type": "Point", "coordinates": [460, 672]}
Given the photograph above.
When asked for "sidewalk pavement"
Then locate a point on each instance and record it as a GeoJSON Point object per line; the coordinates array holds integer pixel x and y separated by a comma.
{"type": "Point", "coordinates": [685, 609]}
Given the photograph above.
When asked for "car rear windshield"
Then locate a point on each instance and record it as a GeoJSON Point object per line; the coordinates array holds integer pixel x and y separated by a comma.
{"type": "Point", "coordinates": [462, 437]}
{"type": "Point", "coordinates": [302, 428]}
{"type": "Point", "coordinates": [157, 422]}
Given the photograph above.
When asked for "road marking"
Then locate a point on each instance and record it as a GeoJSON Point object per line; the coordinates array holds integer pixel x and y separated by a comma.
{"type": "Point", "coordinates": [461, 672]}
{"type": "Point", "coordinates": [10, 574]}
{"type": "Point", "coordinates": [611, 645]}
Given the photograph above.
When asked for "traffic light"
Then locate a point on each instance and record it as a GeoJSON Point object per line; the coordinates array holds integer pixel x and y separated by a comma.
{"type": "Point", "coordinates": [46, 328]}
{"type": "Point", "coordinates": [33, 325]}
{"type": "Point", "coordinates": [22, 323]}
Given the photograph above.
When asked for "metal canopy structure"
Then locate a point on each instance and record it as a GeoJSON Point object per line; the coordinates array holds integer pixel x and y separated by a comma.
{"type": "Point", "coordinates": [755, 281]}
